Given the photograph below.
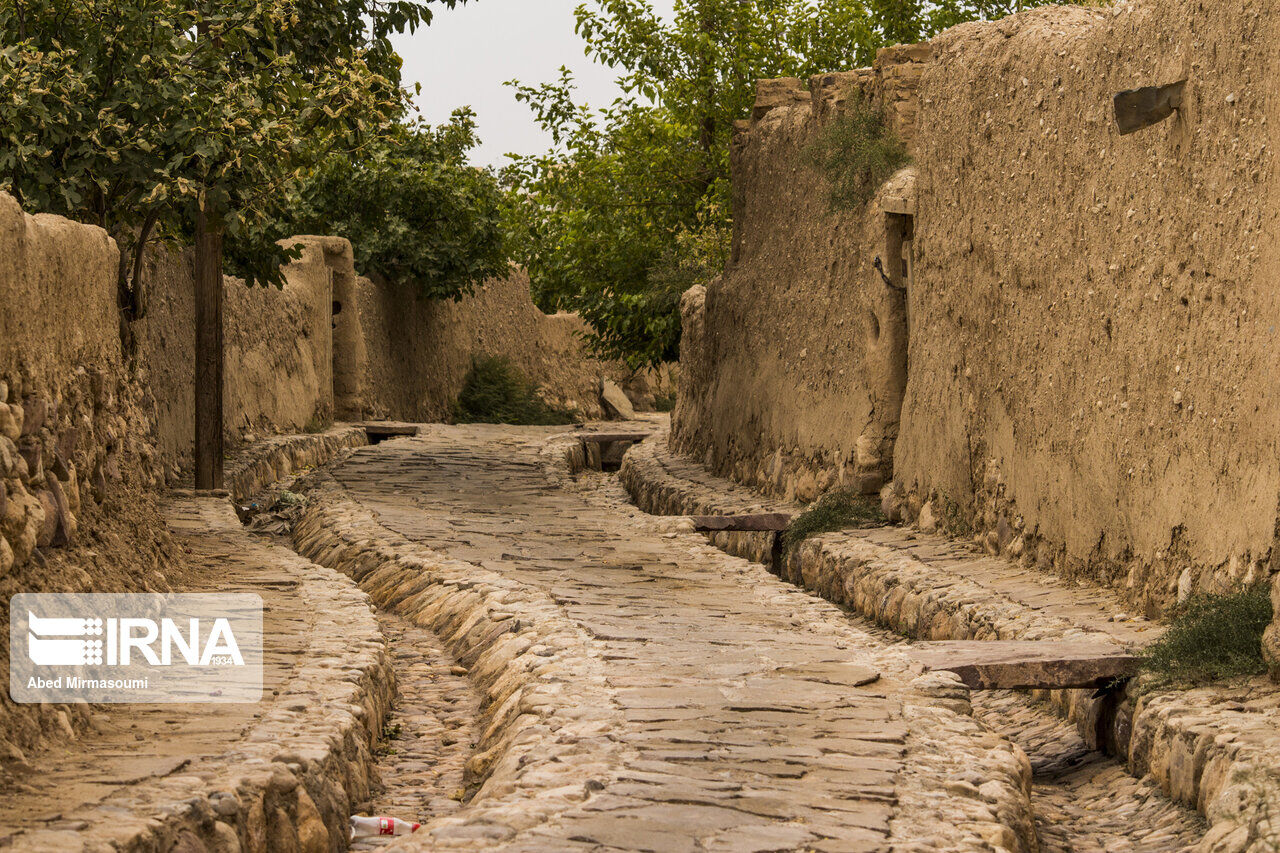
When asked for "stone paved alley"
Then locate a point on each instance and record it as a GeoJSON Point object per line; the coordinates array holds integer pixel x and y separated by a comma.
{"type": "Point", "coordinates": [735, 711]}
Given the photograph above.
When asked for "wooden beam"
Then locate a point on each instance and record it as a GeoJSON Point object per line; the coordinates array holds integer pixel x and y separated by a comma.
{"type": "Point", "coordinates": [610, 437]}
{"type": "Point", "coordinates": [208, 450]}
{"type": "Point", "coordinates": [765, 522]}
{"type": "Point", "coordinates": [389, 428]}
{"type": "Point", "coordinates": [1028, 665]}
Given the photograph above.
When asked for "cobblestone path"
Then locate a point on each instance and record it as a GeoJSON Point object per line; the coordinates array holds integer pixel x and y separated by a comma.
{"type": "Point", "coordinates": [756, 717]}
{"type": "Point", "coordinates": [106, 761]}
{"type": "Point", "coordinates": [1084, 801]}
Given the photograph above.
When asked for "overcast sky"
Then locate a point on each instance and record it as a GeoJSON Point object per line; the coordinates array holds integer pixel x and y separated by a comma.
{"type": "Point", "coordinates": [468, 52]}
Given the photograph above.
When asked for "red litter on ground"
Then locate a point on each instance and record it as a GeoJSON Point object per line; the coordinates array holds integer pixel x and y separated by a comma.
{"type": "Point", "coordinates": [363, 827]}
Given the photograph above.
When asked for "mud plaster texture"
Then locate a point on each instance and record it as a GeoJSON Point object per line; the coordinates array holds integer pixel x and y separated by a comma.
{"type": "Point", "coordinates": [278, 362]}
{"type": "Point", "coordinates": [1089, 317]}
{"type": "Point", "coordinates": [77, 460]}
{"type": "Point", "coordinates": [419, 352]}
{"type": "Point", "coordinates": [793, 361]}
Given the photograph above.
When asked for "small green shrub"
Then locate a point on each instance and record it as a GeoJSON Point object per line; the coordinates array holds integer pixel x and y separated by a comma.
{"type": "Point", "coordinates": [496, 392]}
{"type": "Point", "coordinates": [317, 424]}
{"type": "Point", "coordinates": [857, 153]}
{"type": "Point", "coordinates": [1211, 638]}
{"type": "Point", "coordinates": [664, 402]}
{"type": "Point", "coordinates": [953, 518]}
{"type": "Point", "coordinates": [838, 509]}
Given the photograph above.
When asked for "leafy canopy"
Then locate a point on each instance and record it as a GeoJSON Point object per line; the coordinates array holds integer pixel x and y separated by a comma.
{"type": "Point", "coordinates": [414, 210]}
{"type": "Point", "coordinates": [631, 207]}
{"type": "Point", "coordinates": [130, 113]}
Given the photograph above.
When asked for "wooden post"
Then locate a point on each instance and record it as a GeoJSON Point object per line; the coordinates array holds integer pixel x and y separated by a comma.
{"type": "Point", "coordinates": [208, 298]}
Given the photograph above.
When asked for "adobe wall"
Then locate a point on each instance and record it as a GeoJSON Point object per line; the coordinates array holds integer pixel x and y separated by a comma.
{"type": "Point", "coordinates": [1088, 372]}
{"type": "Point", "coordinates": [1091, 312]}
{"type": "Point", "coordinates": [278, 359]}
{"type": "Point", "coordinates": [78, 463]}
{"type": "Point", "coordinates": [793, 360]}
{"type": "Point", "coordinates": [418, 352]}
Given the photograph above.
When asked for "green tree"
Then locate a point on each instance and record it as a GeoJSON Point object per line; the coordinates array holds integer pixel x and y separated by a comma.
{"type": "Point", "coordinates": [128, 113]}
{"type": "Point", "coordinates": [622, 213]}
{"type": "Point", "coordinates": [169, 119]}
{"type": "Point", "coordinates": [413, 208]}
{"type": "Point", "coordinates": [631, 206]}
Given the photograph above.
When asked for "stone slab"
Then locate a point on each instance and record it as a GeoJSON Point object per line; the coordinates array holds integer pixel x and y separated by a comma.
{"type": "Point", "coordinates": [767, 522]}
{"type": "Point", "coordinates": [1027, 664]}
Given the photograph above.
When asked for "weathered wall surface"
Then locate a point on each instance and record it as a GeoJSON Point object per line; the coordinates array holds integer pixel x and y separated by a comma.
{"type": "Point", "coordinates": [793, 361]}
{"type": "Point", "coordinates": [96, 419]}
{"type": "Point", "coordinates": [1089, 315]}
{"type": "Point", "coordinates": [77, 457]}
{"type": "Point", "coordinates": [279, 348]}
{"type": "Point", "coordinates": [1092, 314]}
{"type": "Point", "coordinates": [418, 352]}
{"type": "Point", "coordinates": [333, 343]}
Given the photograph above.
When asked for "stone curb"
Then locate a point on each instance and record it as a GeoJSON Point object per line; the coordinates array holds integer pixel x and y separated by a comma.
{"type": "Point", "coordinates": [290, 783]}
{"type": "Point", "coordinates": [962, 788]}
{"type": "Point", "coordinates": [547, 711]}
{"type": "Point", "coordinates": [275, 458]}
{"type": "Point", "coordinates": [1206, 748]}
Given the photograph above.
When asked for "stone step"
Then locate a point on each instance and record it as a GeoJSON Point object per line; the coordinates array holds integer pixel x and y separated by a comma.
{"type": "Point", "coordinates": [611, 437]}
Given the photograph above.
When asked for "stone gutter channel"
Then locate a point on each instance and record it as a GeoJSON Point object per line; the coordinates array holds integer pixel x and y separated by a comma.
{"type": "Point", "coordinates": [282, 775]}
{"type": "Point", "coordinates": [1212, 750]}
{"type": "Point", "coordinates": [546, 739]}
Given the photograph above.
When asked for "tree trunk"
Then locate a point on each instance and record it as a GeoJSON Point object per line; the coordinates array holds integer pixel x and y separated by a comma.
{"type": "Point", "coordinates": [208, 286]}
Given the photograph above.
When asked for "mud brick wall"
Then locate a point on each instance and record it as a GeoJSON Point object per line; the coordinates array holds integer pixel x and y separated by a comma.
{"type": "Point", "coordinates": [418, 352]}
{"type": "Point", "coordinates": [793, 361]}
{"type": "Point", "coordinates": [1089, 319]}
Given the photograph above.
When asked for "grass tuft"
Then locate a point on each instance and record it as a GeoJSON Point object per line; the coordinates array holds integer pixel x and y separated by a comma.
{"type": "Point", "coordinates": [496, 392]}
{"type": "Point", "coordinates": [1211, 638]}
{"type": "Point", "coordinates": [664, 402]}
{"type": "Point", "coordinates": [838, 509]}
{"type": "Point", "coordinates": [857, 153]}
{"type": "Point", "coordinates": [317, 424]}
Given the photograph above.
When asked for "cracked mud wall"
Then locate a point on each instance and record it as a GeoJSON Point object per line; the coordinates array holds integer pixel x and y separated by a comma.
{"type": "Point", "coordinates": [1092, 318]}
{"type": "Point", "coordinates": [791, 360]}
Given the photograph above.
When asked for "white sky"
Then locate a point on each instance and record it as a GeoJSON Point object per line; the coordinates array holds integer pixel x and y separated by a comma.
{"type": "Point", "coordinates": [467, 53]}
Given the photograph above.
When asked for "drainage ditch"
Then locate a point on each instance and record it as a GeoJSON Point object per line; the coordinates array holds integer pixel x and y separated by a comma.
{"type": "Point", "coordinates": [429, 736]}
{"type": "Point", "coordinates": [1084, 800]}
